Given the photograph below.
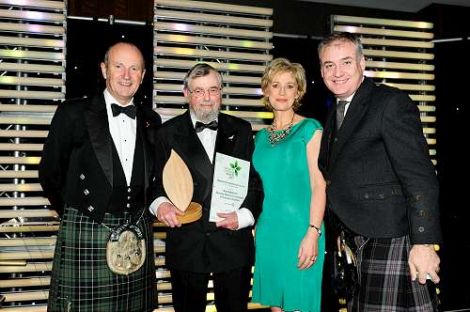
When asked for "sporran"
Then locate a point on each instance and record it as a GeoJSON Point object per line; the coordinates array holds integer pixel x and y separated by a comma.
{"type": "Point", "coordinates": [125, 250]}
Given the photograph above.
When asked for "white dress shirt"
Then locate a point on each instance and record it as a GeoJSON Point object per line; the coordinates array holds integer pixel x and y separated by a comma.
{"type": "Point", "coordinates": [123, 132]}
{"type": "Point", "coordinates": [208, 138]}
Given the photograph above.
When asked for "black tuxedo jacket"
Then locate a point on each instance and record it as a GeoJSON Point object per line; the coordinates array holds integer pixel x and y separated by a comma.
{"type": "Point", "coordinates": [201, 246]}
{"type": "Point", "coordinates": [76, 166]}
{"type": "Point", "coordinates": [380, 180]}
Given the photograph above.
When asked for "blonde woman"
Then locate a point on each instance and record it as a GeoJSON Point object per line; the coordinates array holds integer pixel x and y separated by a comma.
{"type": "Point", "coordinates": [289, 234]}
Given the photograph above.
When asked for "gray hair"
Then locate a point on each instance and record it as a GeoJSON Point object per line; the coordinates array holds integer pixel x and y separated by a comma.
{"type": "Point", "coordinates": [342, 36]}
{"type": "Point", "coordinates": [200, 70]}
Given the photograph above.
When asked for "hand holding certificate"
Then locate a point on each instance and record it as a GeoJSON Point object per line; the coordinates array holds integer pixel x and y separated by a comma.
{"type": "Point", "coordinates": [230, 185]}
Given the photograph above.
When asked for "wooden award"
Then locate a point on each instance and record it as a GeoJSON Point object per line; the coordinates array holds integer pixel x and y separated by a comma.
{"type": "Point", "coordinates": [178, 185]}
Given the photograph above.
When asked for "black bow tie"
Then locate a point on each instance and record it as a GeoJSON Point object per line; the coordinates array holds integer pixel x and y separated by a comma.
{"type": "Point", "coordinates": [129, 110]}
{"type": "Point", "coordinates": [201, 126]}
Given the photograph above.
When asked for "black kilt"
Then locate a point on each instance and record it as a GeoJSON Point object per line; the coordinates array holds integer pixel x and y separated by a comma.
{"type": "Point", "coordinates": [81, 280]}
{"type": "Point", "coordinates": [384, 278]}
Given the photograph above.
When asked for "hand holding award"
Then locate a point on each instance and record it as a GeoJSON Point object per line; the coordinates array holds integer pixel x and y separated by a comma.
{"type": "Point", "coordinates": [178, 185]}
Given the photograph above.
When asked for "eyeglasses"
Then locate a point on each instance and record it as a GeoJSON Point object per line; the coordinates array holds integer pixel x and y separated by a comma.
{"type": "Point", "coordinates": [199, 92]}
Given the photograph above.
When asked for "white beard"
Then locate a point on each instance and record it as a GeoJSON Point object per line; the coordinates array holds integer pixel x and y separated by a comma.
{"type": "Point", "coordinates": [204, 115]}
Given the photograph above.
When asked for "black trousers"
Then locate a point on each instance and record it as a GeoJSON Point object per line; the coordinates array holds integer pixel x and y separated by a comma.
{"type": "Point", "coordinates": [231, 290]}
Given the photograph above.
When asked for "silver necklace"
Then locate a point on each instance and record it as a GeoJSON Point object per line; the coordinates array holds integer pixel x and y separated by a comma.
{"type": "Point", "coordinates": [276, 136]}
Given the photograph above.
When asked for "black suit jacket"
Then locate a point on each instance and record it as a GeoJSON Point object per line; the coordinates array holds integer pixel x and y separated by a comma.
{"type": "Point", "coordinates": [201, 246]}
{"type": "Point", "coordinates": [380, 180]}
{"type": "Point", "coordinates": [76, 166]}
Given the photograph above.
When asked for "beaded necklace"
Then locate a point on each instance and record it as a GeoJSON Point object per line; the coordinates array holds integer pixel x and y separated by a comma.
{"type": "Point", "coordinates": [276, 136]}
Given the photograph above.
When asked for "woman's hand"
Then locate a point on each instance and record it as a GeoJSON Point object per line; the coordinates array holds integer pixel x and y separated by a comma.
{"type": "Point", "coordinates": [308, 250]}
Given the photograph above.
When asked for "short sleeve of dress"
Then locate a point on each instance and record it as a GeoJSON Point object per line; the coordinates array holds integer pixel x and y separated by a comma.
{"type": "Point", "coordinates": [310, 127]}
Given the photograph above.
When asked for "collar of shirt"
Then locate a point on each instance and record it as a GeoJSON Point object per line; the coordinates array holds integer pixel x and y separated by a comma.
{"type": "Point", "coordinates": [109, 99]}
{"type": "Point", "coordinates": [348, 99]}
{"type": "Point", "coordinates": [206, 136]}
{"type": "Point", "coordinates": [194, 119]}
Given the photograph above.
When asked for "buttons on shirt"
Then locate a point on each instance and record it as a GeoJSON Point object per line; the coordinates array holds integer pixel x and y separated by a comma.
{"type": "Point", "coordinates": [129, 197]}
{"type": "Point", "coordinates": [90, 208]}
{"type": "Point", "coordinates": [86, 192]}
{"type": "Point", "coordinates": [82, 177]}
{"type": "Point", "coordinates": [123, 131]}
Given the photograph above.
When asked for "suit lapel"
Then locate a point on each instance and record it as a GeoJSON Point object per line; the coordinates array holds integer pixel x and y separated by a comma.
{"type": "Point", "coordinates": [355, 113]}
{"type": "Point", "coordinates": [96, 120]}
{"type": "Point", "coordinates": [226, 136]}
{"type": "Point", "coordinates": [327, 140]}
{"type": "Point", "coordinates": [190, 148]}
{"type": "Point", "coordinates": [141, 132]}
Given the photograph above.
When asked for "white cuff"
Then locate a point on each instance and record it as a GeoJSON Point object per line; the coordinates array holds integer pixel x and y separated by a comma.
{"type": "Point", "coordinates": [153, 208]}
{"type": "Point", "coordinates": [245, 218]}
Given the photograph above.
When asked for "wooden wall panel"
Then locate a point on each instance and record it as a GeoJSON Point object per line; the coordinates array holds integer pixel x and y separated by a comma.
{"type": "Point", "coordinates": [399, 53]}
{"type": "Point", "coordinates": [32, 83]}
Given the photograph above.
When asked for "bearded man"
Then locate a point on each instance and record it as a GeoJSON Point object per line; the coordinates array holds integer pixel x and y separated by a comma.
{"type": "Point", "coordinates": [224, 248]}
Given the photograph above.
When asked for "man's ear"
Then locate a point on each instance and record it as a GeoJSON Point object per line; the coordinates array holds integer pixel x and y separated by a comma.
{"type": "Point", "coordinates": [103, 70]}
{"type": "Point", "coordinates": [186, 93]}
{"type": "Point", "coordinates": [363, 63]}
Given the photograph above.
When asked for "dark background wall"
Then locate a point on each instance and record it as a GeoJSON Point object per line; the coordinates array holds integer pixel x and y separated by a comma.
{"type": "Point", "coordinates": [298, 26]}
{"type": "Point", "coordinates": [452, 81]}
{"type": "Point", "coordinates": [133, 10]}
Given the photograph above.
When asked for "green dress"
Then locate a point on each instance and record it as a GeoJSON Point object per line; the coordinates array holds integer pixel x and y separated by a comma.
{"type": "Point", "coordinates": [284, 221]}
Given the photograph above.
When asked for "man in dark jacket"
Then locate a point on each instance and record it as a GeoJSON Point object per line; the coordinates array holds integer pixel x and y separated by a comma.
{"type": "Point", "coordinates": [95, 171]}
{"type": "Point", "coordinates": [381, 185]}
{"type": "Point", "coordinates": [224, 248]}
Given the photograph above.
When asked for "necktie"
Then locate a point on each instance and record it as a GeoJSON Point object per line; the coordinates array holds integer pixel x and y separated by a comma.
{"type": "Point", "coordinates": [129, 110]}
{"type": "Point", "coordinates": [340, 107]}
{"type": "Point", "coordinates": [201, 126]}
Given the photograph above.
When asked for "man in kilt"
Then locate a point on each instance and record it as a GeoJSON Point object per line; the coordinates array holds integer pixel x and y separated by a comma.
{"type": "Point", "coordinates": [382, 190]}
{"type": "Point", "coordinates": [94, 171]}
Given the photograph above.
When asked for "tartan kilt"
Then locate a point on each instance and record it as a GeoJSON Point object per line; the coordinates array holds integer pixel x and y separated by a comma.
{"type": "Point", "coordinates": [385, 281]}
{"type": "Point", "coordinates": [81, 280]}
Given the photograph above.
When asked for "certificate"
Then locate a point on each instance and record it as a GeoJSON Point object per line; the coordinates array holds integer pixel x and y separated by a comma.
{"type": "Point", "coordinates": [229, 186]}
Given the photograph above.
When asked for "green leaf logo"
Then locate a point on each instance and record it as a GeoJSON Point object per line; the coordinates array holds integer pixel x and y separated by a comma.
{"type": "Point", "coordinates": [235, 167]}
